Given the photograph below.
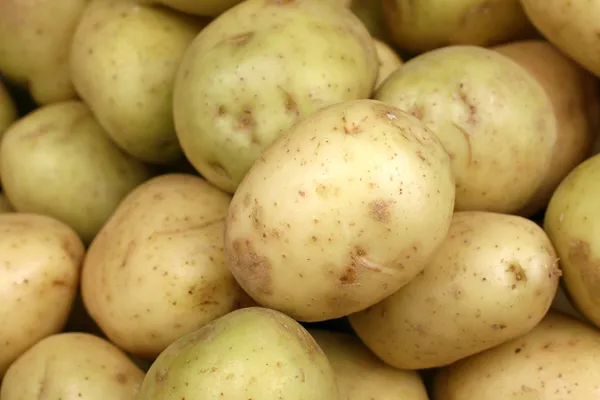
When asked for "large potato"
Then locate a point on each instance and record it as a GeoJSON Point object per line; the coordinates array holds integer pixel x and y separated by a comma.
{"type": "Point", "coordinates": [493, 279]}
{"type": "Point", "coordinates": [35, 38]}
{"type": "Point", "coordinates": [340, 212]}
{"type": "Point", "coordinates": [574, 96]}
{"type": "Point", "coordinates": [124, 59]}
{"type": "Point", "coordinates": [157, 269]}
{"type": "Point", "coordinates": [71, 366]}
{"type": "Point", "coordinates": [256, 70]}
{"type": "Point", "coordinates": [557, 360]}
{"type": "Point", "coordinates": [493, 117]}
{"type": "Point", "coordinates": [389, 61]}
{"type": "Point", "coordinates": [39, 275]}
{"type": "Point", "coordinates": [8, 109]}
{"type": "Point", "coordinates": [362, 376]}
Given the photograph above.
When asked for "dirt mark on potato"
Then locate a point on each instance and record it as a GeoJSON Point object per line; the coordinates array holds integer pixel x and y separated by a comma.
{"type": "Point", "coordinates": [417, 111]}
{"type": "Point", "coordinates": [255, 269]}
{"type": "Point", "coordinates": [352, 128]}
{"type": "Point", "coordinates": [291, 106]}
{"type": "Point", "coordinates": [380, 210]}
{"type": "Point", "coordinates": [471, 108]}
{"type": "Point", "coordinates": [518, 273]}
{"type": "Point", "coordinates": [589, 268]}
{"type": "Point", "coordinates": [247, 123]}
{"type": "Point", "coordinates": [240, 39]}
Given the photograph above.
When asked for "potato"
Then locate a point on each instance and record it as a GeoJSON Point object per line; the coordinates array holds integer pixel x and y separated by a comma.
{"type": "Point", "coordinates": [340, 212]}
{"type": "Point", "coordinates": [210, 8]}
{"type": "Point", "coordinates": [5, 206]}
{"type": "Point", "coordinates": [40, 259]}
{"type": "Point", "coordinates": [420, 26]}
{"type": "Point", "coordinates": [389, 61]}
{"type": "Point", "coordinates": [253, 353]}
{"type": "Point", "coordinates": [492, 116]}
{"type": "Point", "coordinates": [157, 269]}
{"type": "Point", "coordinates": [557, 360]}
{"type": "Point", "coordinates": [124, 59]}
{"type": "Point", "coordinates": [574, 96]}
{"type": "Point", "coordinates": [572, 222]}
{"type": "Point", "coordinates": [377, 381]}
{"type": "Point", "coordinates": [8, 109]}
{"type": "Point", "coordinates": [256, 70]}
{"type": "Point", "coordinates": [35, 38]}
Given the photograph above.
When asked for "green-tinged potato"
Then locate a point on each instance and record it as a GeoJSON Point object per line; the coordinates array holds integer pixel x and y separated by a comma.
{"type": "Point", "coordinates": [562, 304]}
{"type": "Point", "coordinates": [253, 353]}
{"type": "Point", "coordinates": [574, 96]}
{"type": "Point", "coordinates": [40, 259]}
{"type": "Point", "coordinates": [420, 26]}
{"type": "Point", "coordinates": [256, 70]}
{"type": "Point", "coordinates": [5, 206]}
{"type": "Point", "coordinates": [157, 269]}
{"type": "Point", "coordinates": [389, 61]}
{"type": "Point", "coordinates": [124, 59]}
{"type": "Point", "coordinates": [208, 8]}
{"type": "Point", "coordinates": [362, 376]}
{"type": "Point", "coordinates": [340, 212]}
{"type": "Point", "coordinates": [493, 117]}
{"type": "Point", "coordinates": [58, 161]}
{"type": "Point", "coordinates": [8, 109]}
{"type": "Point", "coordinates": [72, 366]}
{"type": "Point", "coordinates": [35, 39]}
{"type": "Point", "coordinates": [557, 360]}
{"type": "Point", "coordinates": [572, 222]}
{"type": "Point", "coordinates": [371, 14]}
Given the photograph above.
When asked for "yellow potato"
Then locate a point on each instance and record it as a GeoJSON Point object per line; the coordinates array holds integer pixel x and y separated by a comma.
{"type": "Point", "coordinates": [362, 376]}
{"type": "Point", "coordinates": [157, 269]}
{"type": "Point", "coordinates": [210, 8]}
{"type": "Point", "coordinates": [40, 260]}
{"type": "Point", "coordinates": [389, 61]}
{"type": "Point", "coordinates": [71, 366]}
{"type": "Point", "coordinates": [557, 360]}
{"type": "Point", "coordinates": [8, 110]}
{"type": "Point", "coordinates": [340, 212]}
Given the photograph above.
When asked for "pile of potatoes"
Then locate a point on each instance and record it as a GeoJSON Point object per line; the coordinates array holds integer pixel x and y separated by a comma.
{"type": "Point", "coordinates": [299, 199]}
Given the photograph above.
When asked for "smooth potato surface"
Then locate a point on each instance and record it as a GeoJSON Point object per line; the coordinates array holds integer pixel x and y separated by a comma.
{"type": "Point", "coordinates": [389, 61]}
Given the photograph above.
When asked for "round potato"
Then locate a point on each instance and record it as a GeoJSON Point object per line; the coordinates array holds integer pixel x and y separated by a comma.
{"type": "Point", "coordinates": [256, 70]}
{"type": "Point", "coordinates": [72, 366]}
{"type": "Point", "coordinates": [557, 360]}
{"type": "Point", "coordinates": [209, 8]}
{"type": "Point", "coordinates": [493, 117]}
{"type": "Point", "coordinates": [157, 269]}
{"type": "Point", "coordinates": [40, 259]}
{"type": "Point", "coordinates": [58, 161]}
{"type": "Point", "coordinates": [377, 381]}
{"type": "Point", "coordinates": [124, 59]}
{"type": "Point", "coordinates": [8, 109]}
{"type": "Point", "coordinates": [340, 212]}
{"type": "Point", "coordinates": [389, 61]}
{"type": "Point", "coordinates": [575, 100]}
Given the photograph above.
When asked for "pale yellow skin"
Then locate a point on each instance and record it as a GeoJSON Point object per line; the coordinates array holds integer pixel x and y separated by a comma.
{"type": "Point", "coordinates": [58, 161]}
{"type": "Point", "coordinates": [557, 360]}
{"type": "Point", "coordinates": [493, 117]}
{"type": "Point", "coordinates": [40, 260]}
{"type": "Point", "coordinates": [259, 68]}
{"type": "Point", "coordinates": [570, 222]}
{"type": "Point", "coordinates": [209, 8]}
{"type": "Point", "coordinates": [253, 353]}
{"type": "Point", "coordinates": [35, 38]}
{"type": "Point", "coordinates": [575, 100]}
{"type": "Point", "coordinates": [157, 269]}
{"type": "Point", "coordinates": [389, 61]}
{"type": "Point", "coordinates": [5, 206]}
{"type": "Point", "coordinates": [8, 110]}
{"type": "Point", "coordinates": [321, 228]}
{"type": "Point", "coordinates": [72, 366]}
{"type": "Point", "coordinates": [362, 376]}
{"type": "Point", "coordinates": [493, 279]}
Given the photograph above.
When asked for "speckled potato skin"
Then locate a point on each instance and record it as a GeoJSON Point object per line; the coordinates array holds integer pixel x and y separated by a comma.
{"type": "Point", "coordinates": [493, 279]}
{"type": "Point", "coordinates": [492, 116]}
{"type": "Point", "coordinates": [157, 269]}
{"type": "Point", "coordinates": [572, 223]}
{"type": "Point", "coordinates": [340, 212]}
{"type": "Point", "coordinates": [362, 376]}
{"type": "Point", "coordinates": [557, 360]}
{"type": "Point", "coordinates": [256, 70]}
{"type": "Point", "coordinates": [124, 60]}
{"type": "Point", "coordinates": [8, 110]}
{"type": "Point", "coordinates": [389, 61]}
{"type": "Point", "coordinates": [72, 366]}
{"type": "Point", "coordinates": [35, 37]}
{"type": "Point", "coordinates": [58, 161]}
{"type": "Point", "coordinates": [209, 8]}
{"type": "Point", "coordinates": [252, 353]}
{"type": "Point", "coordinates": [40, 260]}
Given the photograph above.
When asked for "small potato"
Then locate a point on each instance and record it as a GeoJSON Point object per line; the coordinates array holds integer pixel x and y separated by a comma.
{"type": "Point", "coordinates": [40, 259]}
{"type": "Point", "coordinates": [493, 279]}
{"type": "Point", "coordinates": [362, 376]}
{"type": "Point", "coordinates": [209, 8]}
{"type": "Point", "coordinates": [5, 206]}
{"type": "Point", "coordinates": [389, 61]}
{"type": "Point", "coordinates": [35, 39]}
{"type": "Point", "coordinates": [58, 161]}
{"type": "Point", "coordinates": [557, 360]}
{"type": "Point", "coordinates": [8, 109]}
{"type": "Point", "coordinates": [124, 59]}
{"type": "Point", "coordinates": [492, 116]}
{"type": "Point", "coordinates": [72, 366]}
{"type": "Point", "coordinates": [157, 270]}
{"type": "Point", "coordinates": [340, 212]}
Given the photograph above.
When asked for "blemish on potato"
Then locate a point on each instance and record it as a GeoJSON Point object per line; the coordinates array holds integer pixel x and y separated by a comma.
{"type": "Point", "coordinates": [161, 375]}
{"type": "Point", "coordinates": [121, 378]}
{"type": "Point", "coordinates": [417, 111]}
{"type": "Point", "coordinates": [256, 268]}
{"type": "Point", "coordinates": [239, 39]}
{"type": "Point", "coordinates": [128, 253]}
{"type": "Point", "coordinates": [290, 104]}
{"type": "Point", "coordinates": [351, 128]}
{"type": "Point", "coordinates": [579, 254]}
{"type": "Point", "coordinates": [349, 276]}
{"type": "Point", "coordinates": [498, 326]}
{"type": "Point", "coordinates": [219, 169]}
{"type": "Point", "coordinates": [246, 122]}
{"type": "Point", "coordinates": [380, 210]}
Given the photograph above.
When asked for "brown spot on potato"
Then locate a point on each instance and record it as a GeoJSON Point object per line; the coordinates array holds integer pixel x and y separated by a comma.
{"type": "Point", "coordinates": [290, 104]}
{"type": "Point", "coordinates": [121, 378]}
{"type": "Point", "coordinates": [302, 193]}
{"type": "Point", "coordinates": [498, 326]}
{"type": "Point", "coordinates": [380, 210]}
{"type": "Point", "coordinates": [221, 110]}
{"type": "Point", "coordinates": [518, 273]}
{"type": "Point", "coordinates": [349, 275]}
{"type": "Point", "coordinates": [161, 375]}
{"type": "Point", "coordinates": [246, 122]}
{"type": "Point", "coordinates": [59, 282]}
{"type": "Point", "coordinates": [471, 109]}
{"type": "Point", "coordinates": [417, 111]}
{"type": "Point", "coordinates": [240, 39]}
{"type": "Point", "coordinates": [128, 253]}
{"type": "Point", "coordinates": [255, 269]}
{"type": "Point", "coordinates": [351, 128]}
{"type": "Point", "coordinates": [589, 268]}
{"type": "Point", "coordinates": [219, 169]}
{"type": "Point", "coordinates": [467, 138]}
{"type": "Point", "coordinates": [256, 216]}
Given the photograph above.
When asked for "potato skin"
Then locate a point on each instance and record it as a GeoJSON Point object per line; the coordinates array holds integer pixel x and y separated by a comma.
{"type": "Point", "coordinates": [40, 260]}
{"type": "Point", "coordinates": [389, 61]}
{"type": "Point", "coordinates": [321, 227]}
{"type": "Point", "coordinates": [72, 366]}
